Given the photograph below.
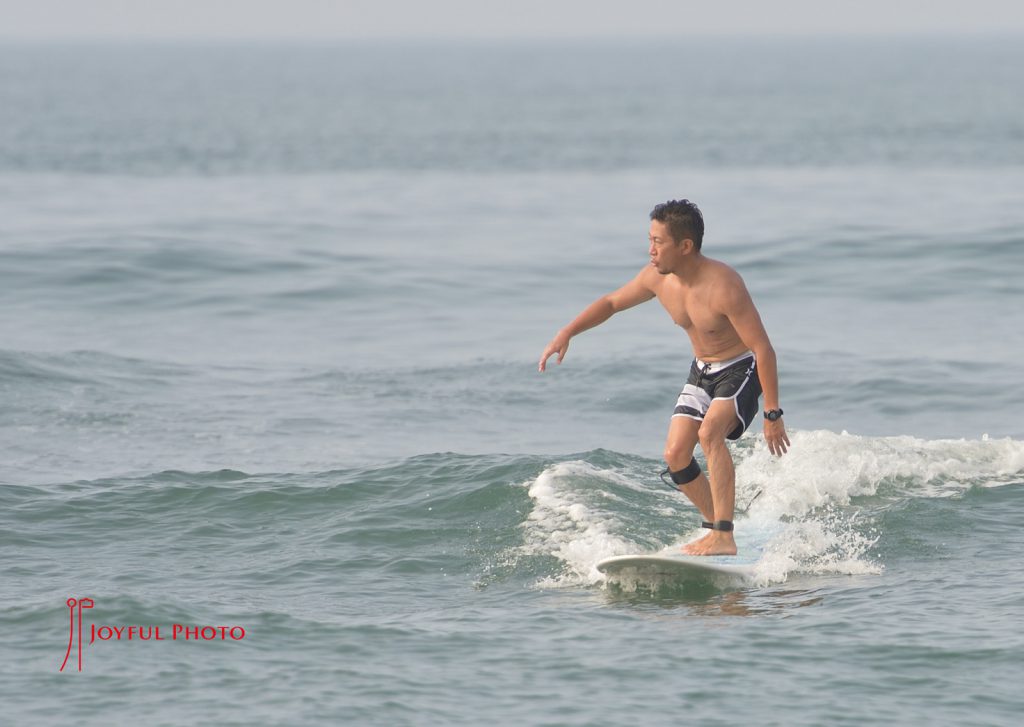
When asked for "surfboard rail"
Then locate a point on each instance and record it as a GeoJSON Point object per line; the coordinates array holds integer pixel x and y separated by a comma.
{"type": "Point", "coordinates": [676, 565]}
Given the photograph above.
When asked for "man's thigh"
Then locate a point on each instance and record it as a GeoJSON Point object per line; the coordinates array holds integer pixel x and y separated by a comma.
{"type": "Point", "coordinates": [719, 421]}
{"type": "Point", "coordinates": [683, 433]}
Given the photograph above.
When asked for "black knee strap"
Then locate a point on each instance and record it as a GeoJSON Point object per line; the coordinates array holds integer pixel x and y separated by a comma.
{"type": "Point", "coordinates": [687, 474]}
{"type": "Point", "coordinates": [723, 525]}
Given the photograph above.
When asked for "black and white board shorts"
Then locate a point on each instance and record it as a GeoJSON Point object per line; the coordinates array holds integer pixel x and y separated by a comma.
{"type": "Point", "coordinates": [734, 380]}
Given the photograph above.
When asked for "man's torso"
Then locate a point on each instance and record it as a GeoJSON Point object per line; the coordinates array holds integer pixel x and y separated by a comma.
{"type": "Point", "coordinates": [697, 308]}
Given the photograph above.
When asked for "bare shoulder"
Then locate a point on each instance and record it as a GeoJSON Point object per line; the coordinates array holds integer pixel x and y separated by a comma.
{"type": "Point", "coordinates": [649, 278]}
{"type": "Point", "coordinates": [728, 288]}
{"type": "Point", "coordinates": [720, 272]}
{"type": "Point", "coordinates": [638, 290]}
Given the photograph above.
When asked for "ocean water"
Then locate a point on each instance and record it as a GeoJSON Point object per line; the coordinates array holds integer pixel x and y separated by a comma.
{"type": "Point", "coordinates": [271, 317]}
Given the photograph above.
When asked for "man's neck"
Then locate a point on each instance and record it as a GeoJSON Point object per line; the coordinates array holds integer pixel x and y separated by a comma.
{"type": "Point", "coordinates": [689, 269]}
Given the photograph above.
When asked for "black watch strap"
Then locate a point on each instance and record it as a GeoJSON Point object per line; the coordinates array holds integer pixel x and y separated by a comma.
{"type": "Point", "coordinates": [773, 414]}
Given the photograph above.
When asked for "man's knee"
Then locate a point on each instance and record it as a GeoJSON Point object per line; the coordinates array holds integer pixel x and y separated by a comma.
{"type": "Point", "coordinates": [677, 455]}
{"type": "Point", "coordinates": [712, 434]}
{"type": "Point", "coordinates": [685, 475]}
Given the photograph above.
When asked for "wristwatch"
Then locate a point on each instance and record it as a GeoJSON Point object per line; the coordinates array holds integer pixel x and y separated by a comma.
{"type": "Point", "coordinates": [773, 414]}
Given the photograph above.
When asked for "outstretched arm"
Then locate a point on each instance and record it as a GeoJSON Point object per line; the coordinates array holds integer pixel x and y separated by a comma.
{"type": "Point", "coordinates": [636, 291]}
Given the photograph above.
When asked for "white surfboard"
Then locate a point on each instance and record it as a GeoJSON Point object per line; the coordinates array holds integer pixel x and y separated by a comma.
{"type": "Point", "coordinates": [672, 564]}
{"type": "Point", "coordinates": [677, 566]}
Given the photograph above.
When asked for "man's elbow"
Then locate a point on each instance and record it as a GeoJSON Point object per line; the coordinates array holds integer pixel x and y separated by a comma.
{"type": "Point", "coordinates": [611, 304]}
{"type": "Point", "coordinates": [764, 351]}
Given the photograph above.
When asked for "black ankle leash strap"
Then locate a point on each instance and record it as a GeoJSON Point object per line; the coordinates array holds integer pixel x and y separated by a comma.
{"type": "Point", "coordinates": [724, 526]}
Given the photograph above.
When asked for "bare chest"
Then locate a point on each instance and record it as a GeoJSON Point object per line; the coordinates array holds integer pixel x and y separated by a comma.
{"type": "Point", "coordinates": [692, 309]}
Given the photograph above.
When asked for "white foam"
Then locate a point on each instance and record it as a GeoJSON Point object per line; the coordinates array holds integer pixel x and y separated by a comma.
{"type": "Point", "coordinates": [802, 514]}
{"type": "Point", "coordinates": [561, 525]}
{"type": "Point", "coordinates": [825, 468]}
{"type": "Point", "coordinates": [828, 544]}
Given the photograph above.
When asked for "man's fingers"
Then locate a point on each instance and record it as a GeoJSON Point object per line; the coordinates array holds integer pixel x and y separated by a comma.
{"type": "Point", "coordinates": [778, 444]}
{"type": "Point", "coordinates": [548, 352]}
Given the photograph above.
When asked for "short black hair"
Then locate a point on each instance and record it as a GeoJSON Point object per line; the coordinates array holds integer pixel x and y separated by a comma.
{"type": "Point", "coordinates": [683, 219]}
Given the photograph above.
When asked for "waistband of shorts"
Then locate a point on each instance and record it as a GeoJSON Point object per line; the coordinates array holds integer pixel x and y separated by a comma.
{"type": "Point", "coordinates": [713, 367]}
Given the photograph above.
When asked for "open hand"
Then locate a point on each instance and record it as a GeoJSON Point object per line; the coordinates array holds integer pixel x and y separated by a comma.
{"type": "Point", "coordinates": [775, 435]}
{"type": "Point", "coordinates": [559, 344]}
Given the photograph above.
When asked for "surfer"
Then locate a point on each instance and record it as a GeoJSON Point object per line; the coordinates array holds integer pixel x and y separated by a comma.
{"type": "Point", "coordinates": [734, 362]}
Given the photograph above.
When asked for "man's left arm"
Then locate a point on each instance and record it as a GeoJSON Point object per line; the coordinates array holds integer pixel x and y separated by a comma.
{"type": "Point", "coordinates": [740, 309]}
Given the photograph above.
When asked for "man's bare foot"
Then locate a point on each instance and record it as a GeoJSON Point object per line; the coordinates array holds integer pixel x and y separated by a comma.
{"type": "Point", "coordinates": [699, 542]}
{"type": "Point", "coordinates": [714, 543]}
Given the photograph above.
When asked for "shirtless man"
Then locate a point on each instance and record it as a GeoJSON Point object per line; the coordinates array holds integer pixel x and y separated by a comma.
{"type": "Point", "coordinates": [734, 363]}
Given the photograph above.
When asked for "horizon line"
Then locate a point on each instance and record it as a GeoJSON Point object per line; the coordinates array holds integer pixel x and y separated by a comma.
{"type": "Point", "coordinates": [960, 34]}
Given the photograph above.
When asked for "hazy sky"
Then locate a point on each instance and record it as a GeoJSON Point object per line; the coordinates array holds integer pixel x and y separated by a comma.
{"type": "Point", "coordinates": [320, 19]}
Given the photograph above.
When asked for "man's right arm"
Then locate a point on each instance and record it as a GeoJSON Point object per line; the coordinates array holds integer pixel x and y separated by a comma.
{"type": "Point", "coordinates": [636, 291]}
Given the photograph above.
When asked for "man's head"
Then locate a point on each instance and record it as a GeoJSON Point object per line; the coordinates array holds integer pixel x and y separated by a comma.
{"type": "Point", "coordinates": [683, 220]}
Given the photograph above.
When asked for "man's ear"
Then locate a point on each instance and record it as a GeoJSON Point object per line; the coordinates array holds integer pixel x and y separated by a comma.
{"type": "Point", "coordinates": [687, 246]}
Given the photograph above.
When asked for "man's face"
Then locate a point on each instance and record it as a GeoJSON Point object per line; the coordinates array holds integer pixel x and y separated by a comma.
{"type": "Point", "coordinates": [665, 252]}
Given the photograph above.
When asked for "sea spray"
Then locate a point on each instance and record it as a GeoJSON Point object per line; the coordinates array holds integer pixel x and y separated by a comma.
{"type": "Point", "coordinates": [825, 468]}
{"type": "Point", "coordinates": [561, 525]}
{"type": "Point", "coordinates": [823, 500]}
